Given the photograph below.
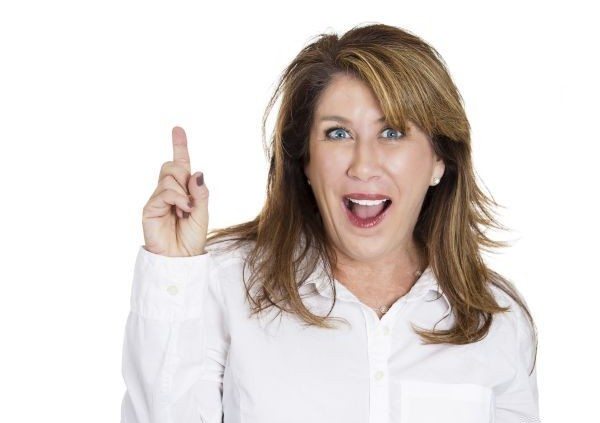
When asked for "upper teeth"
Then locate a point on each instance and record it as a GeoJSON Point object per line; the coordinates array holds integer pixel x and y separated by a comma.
{"type": "Point", "coordinates": [367, 202]}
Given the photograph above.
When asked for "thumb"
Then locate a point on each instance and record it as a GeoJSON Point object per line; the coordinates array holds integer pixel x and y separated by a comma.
{"type": "Point", "coordinates": [199, 192]}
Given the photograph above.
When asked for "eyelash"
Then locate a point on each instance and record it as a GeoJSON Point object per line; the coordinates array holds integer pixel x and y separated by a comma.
{"type": "Point", "coordinates": [327, 131]}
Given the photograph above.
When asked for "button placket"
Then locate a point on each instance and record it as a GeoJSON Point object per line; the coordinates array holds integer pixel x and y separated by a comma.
{"type": "Point", "coordinates": [379, 351]}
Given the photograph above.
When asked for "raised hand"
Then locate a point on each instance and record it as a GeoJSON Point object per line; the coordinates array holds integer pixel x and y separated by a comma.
{"type": "Point", "coordinates": [175, 218]}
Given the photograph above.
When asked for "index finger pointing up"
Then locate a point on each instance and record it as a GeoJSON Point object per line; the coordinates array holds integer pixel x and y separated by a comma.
{"type": "Point", "coordinates": [180, 150]}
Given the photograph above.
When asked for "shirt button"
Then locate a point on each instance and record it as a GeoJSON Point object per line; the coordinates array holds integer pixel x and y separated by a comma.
{"type": "Point", "coordinates": [378, 375]}
{"type": "Point", "coordinates": [386, 330]}
{"type": "Point", "coordinates": [172, 289]}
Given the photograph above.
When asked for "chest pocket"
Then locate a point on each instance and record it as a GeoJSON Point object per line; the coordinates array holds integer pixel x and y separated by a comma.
{"type": "Point", "coordinates": [431, 402]}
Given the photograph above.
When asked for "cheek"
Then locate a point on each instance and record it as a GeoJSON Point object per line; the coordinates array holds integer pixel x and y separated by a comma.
{"type": "Point", "coordinates": [410, 179]}
{"type": "Point", "coordinates": [327, 164]}
{"type": "Point", "coordinates": [408, 169]}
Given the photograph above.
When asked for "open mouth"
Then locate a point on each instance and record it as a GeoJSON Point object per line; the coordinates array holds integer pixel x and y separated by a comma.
{"type": "Point", "coordinates": [367, 211]}
{"type": "Point", "coordinates": [366, 214]}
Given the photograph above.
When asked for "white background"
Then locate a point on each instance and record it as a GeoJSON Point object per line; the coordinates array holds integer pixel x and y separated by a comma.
{"type": "Point", "coordinates": [89, 92]}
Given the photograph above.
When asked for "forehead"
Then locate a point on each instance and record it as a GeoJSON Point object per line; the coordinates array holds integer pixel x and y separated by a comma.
{"type": "Point", "coordinates": [350, 98]}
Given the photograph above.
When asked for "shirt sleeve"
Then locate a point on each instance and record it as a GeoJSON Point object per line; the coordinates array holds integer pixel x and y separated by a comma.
{"type": "Point", "coordinates": [176, 342]}
{"type": "Point", "coordinates": [518, 403]}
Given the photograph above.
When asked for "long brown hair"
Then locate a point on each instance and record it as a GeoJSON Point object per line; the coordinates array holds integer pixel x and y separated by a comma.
{"type": "Point", "coordinates": [411, 82]}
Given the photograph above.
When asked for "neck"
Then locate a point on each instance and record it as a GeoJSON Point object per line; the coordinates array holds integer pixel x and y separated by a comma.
{"type": "Point", "coordinates": [389, 274]}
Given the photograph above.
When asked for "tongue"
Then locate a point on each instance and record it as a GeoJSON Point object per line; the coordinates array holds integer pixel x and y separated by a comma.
{"type": "Point", "coordinates": [364, 212]}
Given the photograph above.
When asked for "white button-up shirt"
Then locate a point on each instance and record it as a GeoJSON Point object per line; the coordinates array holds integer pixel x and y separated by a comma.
{"type": "Point", "coordinates": [191, 353]}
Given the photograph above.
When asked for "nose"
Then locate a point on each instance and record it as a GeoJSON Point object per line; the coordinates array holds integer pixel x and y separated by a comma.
{"type": "Point", "coordinates": [365, 162]}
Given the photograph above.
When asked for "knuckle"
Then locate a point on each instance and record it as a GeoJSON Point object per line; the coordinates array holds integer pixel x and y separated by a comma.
{"type": "Point", "coordinates": [204, 193]}
{"type": "Point", "coordinates": [168, 193]}
{"type": "Point", "coordinates": [165, 167]}
{"type": "Point", "coordinates": [181, 167]}
{"type": "Point", "coordinates": [181, 161]}
{"type": "Point", "coordinates": [179, 174]}
{"type": "Point", "coordinates": [170, 182]}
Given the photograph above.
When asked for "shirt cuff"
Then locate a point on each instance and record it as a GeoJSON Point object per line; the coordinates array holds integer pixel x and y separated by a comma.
{"type": "Point", "coordinates": [169, 288]}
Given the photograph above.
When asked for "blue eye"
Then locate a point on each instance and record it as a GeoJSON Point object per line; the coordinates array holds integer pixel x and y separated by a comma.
{"type": "Point", "coordinates": [328, 131]}
{"type": "Point", "coordinates": [398, 132]}
{"type": "Point", "coordinates": [338, 128]}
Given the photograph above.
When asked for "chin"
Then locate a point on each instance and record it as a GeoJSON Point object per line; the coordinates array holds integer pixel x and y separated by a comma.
{"type": "Point", "coordinates": [364, 251]}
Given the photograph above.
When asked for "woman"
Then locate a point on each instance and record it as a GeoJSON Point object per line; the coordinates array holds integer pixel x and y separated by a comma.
{"type": "Point", "coordinates": [373, 219]}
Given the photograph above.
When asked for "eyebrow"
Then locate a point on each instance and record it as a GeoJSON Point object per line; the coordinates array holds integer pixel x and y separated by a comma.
{"type": "Point", "coordinates": [343, 119]}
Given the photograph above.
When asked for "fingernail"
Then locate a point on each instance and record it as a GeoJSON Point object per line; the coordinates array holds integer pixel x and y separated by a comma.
{"type": "Point", "coordinates": [200, 179]}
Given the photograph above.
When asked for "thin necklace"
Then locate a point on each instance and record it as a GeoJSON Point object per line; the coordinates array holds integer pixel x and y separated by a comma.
{"type": "Point", "coordinates": [384, 309]}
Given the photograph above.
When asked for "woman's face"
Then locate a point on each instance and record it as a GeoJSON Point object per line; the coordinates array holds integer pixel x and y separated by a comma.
{"type": "Point", "coordinates": [367, 157]}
